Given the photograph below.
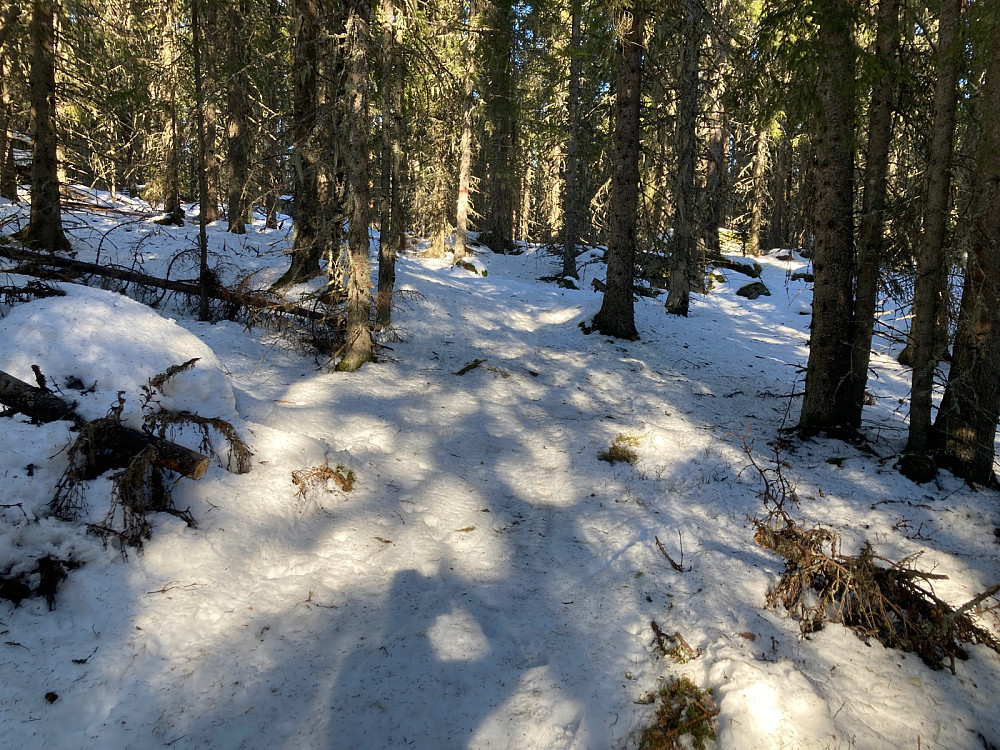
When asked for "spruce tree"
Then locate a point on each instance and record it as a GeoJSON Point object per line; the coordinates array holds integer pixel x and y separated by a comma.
{"type": "Point", "coordinates": [617, 314]}
{"type": "Point", "coordinates": [45, 229]}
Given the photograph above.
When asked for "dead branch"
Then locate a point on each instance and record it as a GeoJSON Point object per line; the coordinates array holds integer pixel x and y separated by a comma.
{"type": "Point", "coordinates": [675, 566]}
{"type": "Point", "coordinates": [893, 603]}
{"type": "Point", "coordinates": [261, 303]}
{"type": "Point", "coordinates": [661, 637]}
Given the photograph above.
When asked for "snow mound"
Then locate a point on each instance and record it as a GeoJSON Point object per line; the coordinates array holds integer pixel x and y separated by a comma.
{"type": "Point", "coordinates": [90, 344]}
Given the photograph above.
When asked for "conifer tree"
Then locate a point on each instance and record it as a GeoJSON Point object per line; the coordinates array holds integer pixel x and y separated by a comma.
{"type": "Point", "coordinates": [9, 28]}
{"type": "Point", "coordinates": [500, 95]}
{"type": "Point", "coordinates": [572, 193]}
{"type": "Point", "coordinates": [617, 314]}
{"type": "Point", "coordinates": [307, 247]}
{"type": "Point", "coordinates": [466, 142]}
{"type": "Point", "coordinates": [871, 240]}
{"type": "Point", "coordinates": [238, 208]}
{"type": "Point", "coordinates": [826, 403]}
{"type": "Point", "coordinates": [966, 425]}
{"type": "Point", "coordinates": [931, 259]}
{"type": "Point", "coordinates": [45, 229]}
{"type": "Point", "coordinates": [360, 346]}
{"type": "Point", "coordinates": [391, 224]}
{"type": "Point", "coordinates": [683, 257]}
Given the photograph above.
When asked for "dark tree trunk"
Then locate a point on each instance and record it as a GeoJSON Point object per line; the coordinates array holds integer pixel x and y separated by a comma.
{"type": "Point", "coordinates": [359, 347]}
{"type": "Point", "coordinates": [42, 407]}
{"type": "Point", "coordinates": [40, 263]}
{"type": "Point", "coordinates": [307, 245]}
{"type": "Point", "coordinates": [617, 314]}
{"type": "Point", "coordinates": [210, 111]}
{"type": "Point", "coordinates": [871, 234]}
{"type": "Point", "coordinates": [391, 224]}
{"type": "Point", "coordinates": [965, 429]}
{"type": "Point", "coordinates": [238, 99]}
{"type": "Point", "coordinates": [204, 276]}
{"type": "Point", "coordinates": [931, 261]}
{"type": "Point", "coordinates": [501, 108]}
{"type": "Point", "coordinates": [273, 132]}
{"type": "Point", "coordinates": [759, 192]}
{"type": "Point", "coordinates": [572, 195]}
{"type": "Point", "coordinates": [169, 179]}
{"type": "Point", "coordinates": [777, 234]}
{"type": "Point", "coordinates": [716, 169]}
{"type": "Point", "coordinates": [683, 256]}
{"type": "Point", "coordinates": [8, 169]}
{"type": "Point", "coordinates": [825, 405]}
{"type": "Point", "coordinates": [45, 230]}
{"type": "Point", "coordinates": [466, 142]}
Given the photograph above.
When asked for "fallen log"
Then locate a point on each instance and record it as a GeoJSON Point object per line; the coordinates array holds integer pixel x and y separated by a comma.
{"type": "Point", "coordinates": [191, 288]}
{"type": "Point", "coordinates": [42, 406]}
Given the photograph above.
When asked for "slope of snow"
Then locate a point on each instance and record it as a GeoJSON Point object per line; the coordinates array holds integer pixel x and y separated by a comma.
{"type": "Point", "coordinates": [489, 582]}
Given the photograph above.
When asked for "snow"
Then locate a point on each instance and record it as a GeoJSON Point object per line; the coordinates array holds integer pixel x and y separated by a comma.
{"type": "Point", "coordinates": [489, 582]}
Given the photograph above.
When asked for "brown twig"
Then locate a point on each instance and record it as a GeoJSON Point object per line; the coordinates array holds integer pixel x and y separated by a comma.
{"type": "Point", "coordinates": [694, 652]}
{"type": "Point", "coordinates": [661, 637]}
{"type": "Point", "coordinates": [674, 565]}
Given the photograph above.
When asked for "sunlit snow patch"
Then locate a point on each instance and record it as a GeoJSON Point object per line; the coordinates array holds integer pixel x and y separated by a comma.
{"type": "Point", "coordinates": [456, 636]}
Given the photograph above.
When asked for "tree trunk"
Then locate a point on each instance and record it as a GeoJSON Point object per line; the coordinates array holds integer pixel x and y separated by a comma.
{"type": "Point", "coordinates": [8, 170]}
{"type": "Point", "coordinates": [871, 234]}
{"type": "Point", "coordinates": [617, 314]}
{"type": "Point", "coordinates": [683, 260]}
{"type": "Point", "coordinates": [238, 99]}
{"type": "Point", "coordinates": [440, 196]}
{"type": "Point", "coordinates": [965, 429]}
{"type": "Point", "coordinates": [465, 143]}
{"type": "Point", "coordinates": [307, 246]}
{"type": "Point", "coordinates": [716, 167]}
{"type": "Point", "coordinates": [45, 230]}
{"type": "Point", "coordinates": [168, 188]}
{"type": "Point", "coordinates": [40, 263]}
{"type": "Point", "coordinates": [274, 129]}
{"type": "Point", "coordinates": [826, 402]}
{"type": "Point", "coordinates": [204, 277]}
{"type": "Point", "coordinates": [776, 233]}
{"type": "Point", "coordinates": [931, 261]}
{"type": "Point", "coordinates": [759, 192]}
{"type": "Point", "coordinates": [717, 172]}
{"type": "Point", "coordinates": [501, 108]}
{"type": "Point", "coordinates": [359, 347]}
{"type": "Point", "coordinates": [391, 225]}
{"type": "Point", "coordinates": [210, 111]}
{"type": "Point", "coordinates": [572, 197]}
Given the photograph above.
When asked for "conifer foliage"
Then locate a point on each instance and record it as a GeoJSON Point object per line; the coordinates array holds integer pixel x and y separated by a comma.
{"type": "Point", "coordinates": [664, 135]}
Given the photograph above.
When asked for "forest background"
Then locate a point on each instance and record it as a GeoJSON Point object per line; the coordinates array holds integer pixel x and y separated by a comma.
{"type": "Point", "coordinates": [667, 132]}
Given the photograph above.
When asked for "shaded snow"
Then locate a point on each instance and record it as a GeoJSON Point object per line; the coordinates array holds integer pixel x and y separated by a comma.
{"type": "Point", "coordinates": [489, 582]}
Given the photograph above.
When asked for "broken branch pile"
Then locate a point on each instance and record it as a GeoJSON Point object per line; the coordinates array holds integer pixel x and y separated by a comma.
{"type": "Point", "coordinates": [893, 602]}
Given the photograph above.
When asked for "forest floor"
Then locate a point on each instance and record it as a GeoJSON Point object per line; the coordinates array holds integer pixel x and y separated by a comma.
{"type": "Point", "coordinates": [489, 580]}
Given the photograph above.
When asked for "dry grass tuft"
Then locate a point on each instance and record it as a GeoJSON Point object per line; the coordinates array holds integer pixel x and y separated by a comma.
{"type": "Point", "coordinates": [323, 476]}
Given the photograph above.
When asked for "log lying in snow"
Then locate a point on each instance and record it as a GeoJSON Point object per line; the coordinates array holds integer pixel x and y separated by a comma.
{"type": "Point", "coordinates": [22, 398]}
{"type": "Point", "coordinates": [191, 288]}
{"type": "Point", "coordinates": [40, 405]}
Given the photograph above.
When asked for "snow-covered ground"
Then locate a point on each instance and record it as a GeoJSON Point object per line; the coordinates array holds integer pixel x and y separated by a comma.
{"type": "Point", "coordinates": [489, 581]}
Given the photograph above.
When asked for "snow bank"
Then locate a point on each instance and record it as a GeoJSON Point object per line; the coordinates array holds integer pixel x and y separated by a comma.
{"type": "Point", "coordinates": [91, 344]}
